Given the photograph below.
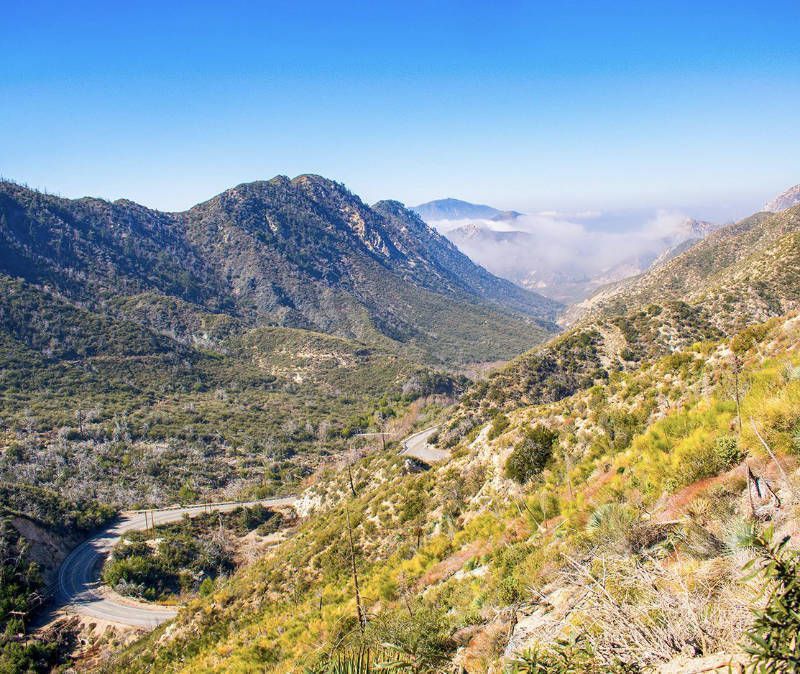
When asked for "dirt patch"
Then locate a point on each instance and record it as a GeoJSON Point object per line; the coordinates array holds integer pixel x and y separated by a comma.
{"type": "Point", "coordinates": [448, 566]}
{"type": "Point", "coordinates": [47, 549]}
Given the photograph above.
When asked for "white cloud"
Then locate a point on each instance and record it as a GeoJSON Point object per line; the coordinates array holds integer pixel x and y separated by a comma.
{"type": "Point", "coordinates": [557, 247]}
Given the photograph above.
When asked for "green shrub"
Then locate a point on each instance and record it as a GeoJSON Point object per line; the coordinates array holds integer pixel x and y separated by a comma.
{"type": "Point", "coordinates": [499, 424]}
{"type": "Point", "coordinates": [144, 572]}
{"type": "Point", "coordinates": [529, 458]}
{"type": "Point", "coordinates": [774, 644]}
{"type": "Point", "coordinates": [206, 587]}
{"type": "Point", "coordinates": [728, 452]}
{"type": "Point", "coordinates": [421, 636]}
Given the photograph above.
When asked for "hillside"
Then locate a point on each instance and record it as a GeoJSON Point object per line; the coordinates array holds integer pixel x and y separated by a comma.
{"type": "Point", "coordinates": [734, 272]}
{"type": "Point", "coordinates": [786, 199]}
{"type": "Point", "coordinates": [594, 507]}
{"type": "Point", "coordinates": [226, 352]}
{"type": "Point", "coordinates": [739, 275]}
{"type": "Point", "coordinates": [607, 530]}
{"type": "Point", "coordinates": [38, 528]}
{"type": "Point", "coordinates": [301, 253]}
{"type": "Point", "coordinates": [99, 412]}
{"type": "Point", "coordinates": [95, 406]}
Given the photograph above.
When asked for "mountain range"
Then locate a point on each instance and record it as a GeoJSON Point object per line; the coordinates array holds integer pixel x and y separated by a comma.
{"type": "Point", "coordinates": [302, 253]}
{"type": "Point", "coordinates": [261, 342]}
{"type": "Point", "coordinates": [456, 209]}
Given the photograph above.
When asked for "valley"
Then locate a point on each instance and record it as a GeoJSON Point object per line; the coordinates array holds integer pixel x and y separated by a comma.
{"type": "Point", "coordinates": [399, 338]}
{"type": "Point", "coordinates": [299, 348]}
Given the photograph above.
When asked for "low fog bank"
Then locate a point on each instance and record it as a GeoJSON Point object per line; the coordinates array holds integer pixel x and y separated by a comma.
{"type": "Point", "coordinates": [565, 258]}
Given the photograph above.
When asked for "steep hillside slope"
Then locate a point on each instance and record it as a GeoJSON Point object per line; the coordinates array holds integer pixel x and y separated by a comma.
{"type": "Point", "coordinates": [713, 272]}
{"type": "Point", "coordinates": [607, 530]}
{"type": "Point", "coordinates": [37, 530]}
{"type": "Point", "coordinates": [153, 402]}
{"type": "Point", "coordinates": [299, 253]}
{"type": "Point", "coordinates": [786, 199]}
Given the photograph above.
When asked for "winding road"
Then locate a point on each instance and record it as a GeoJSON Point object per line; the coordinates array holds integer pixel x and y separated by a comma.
{"type": "Point", "coordinates": [417, 446]}
{"type": "Point", "coordinates": [78, 586]}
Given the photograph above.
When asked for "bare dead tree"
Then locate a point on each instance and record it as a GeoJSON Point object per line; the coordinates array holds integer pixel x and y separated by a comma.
{"type": "Point", "coordinates": [362, 617]}
{"type": "Point", "coordinates": [772, 456]}
{"type": "Point", "coordinates": [736, 364]}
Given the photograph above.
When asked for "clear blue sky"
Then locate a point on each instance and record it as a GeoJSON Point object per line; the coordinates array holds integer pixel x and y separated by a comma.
{"type": "Point", "coordinates": [518, 104]}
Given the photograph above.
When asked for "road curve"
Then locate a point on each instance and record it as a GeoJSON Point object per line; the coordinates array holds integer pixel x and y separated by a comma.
{"type": "Point", "coordinates": [78, 587]}
{"type": "Point", "coordinates": [416, 445]}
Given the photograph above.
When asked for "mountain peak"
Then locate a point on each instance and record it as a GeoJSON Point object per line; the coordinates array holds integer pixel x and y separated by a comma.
{"type": "Point", "coordinates": [784, 200]}
{"type": "Point", "coordinates": [301, 253]}
{"type": "Point", "coordinates": [456, 209]}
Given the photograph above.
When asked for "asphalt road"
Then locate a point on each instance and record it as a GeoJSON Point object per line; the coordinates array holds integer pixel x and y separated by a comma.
{"type": "Point", "coordinates": [417, 446]}
{"type": "Point", "coordinates": [78, 586]}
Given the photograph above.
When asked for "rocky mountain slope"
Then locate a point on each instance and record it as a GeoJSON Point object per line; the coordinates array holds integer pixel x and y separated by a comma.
{"type": "Point", "coordinates": [787, 199]}
{"type": "Point", "coordinates": [299, 253]}
{"type": "Point", "coordinates": [742, 274]}
{"type": "Point", "coordinates": [739, 274]}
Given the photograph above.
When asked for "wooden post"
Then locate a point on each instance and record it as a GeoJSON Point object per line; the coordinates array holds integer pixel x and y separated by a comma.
{"type": "Point", "coordinates": [350, 477]}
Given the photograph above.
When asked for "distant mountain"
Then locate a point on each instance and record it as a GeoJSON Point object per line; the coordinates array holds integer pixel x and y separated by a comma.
{"type": "Point", "coordinates": [302, 253]}
{"type": "Point", "coordinates": [787, 199]}
{"type": "Point", "coordinates": [455, 209]}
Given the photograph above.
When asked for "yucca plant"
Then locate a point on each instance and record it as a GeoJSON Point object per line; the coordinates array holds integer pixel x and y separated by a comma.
{"type": "Point", "coordinates": [360, 661]}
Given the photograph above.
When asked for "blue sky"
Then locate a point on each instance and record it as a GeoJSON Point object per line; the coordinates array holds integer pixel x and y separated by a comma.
{"type": "Point", "coordinates": [530, 105]}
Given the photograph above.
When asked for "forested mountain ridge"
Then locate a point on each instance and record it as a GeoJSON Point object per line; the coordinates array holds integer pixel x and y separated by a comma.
{"type": "Point", "coordinates": [301, 253]}
{"type": "Point", "coordinates": [151, 358]}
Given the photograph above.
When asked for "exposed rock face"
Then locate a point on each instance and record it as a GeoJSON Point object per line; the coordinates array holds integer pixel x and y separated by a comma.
{"type": "Point", "coordinates": [787, 199]}
{"type": "Point", "coordinates": [46, 548]}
